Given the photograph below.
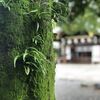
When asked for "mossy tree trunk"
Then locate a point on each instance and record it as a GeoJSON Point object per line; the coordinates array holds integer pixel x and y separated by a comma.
{"type": "Point", "coordinates": [20, 23]}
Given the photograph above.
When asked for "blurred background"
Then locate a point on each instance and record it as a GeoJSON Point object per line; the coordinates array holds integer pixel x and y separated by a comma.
{"type": "Point", "coordinates": [76, 30]}
{"type": "Point", "coordinates": [77, 33]}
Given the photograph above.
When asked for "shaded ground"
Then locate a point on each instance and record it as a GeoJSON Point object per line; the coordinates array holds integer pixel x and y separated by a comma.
{"type": "Point", "coordinates": [76, 82]}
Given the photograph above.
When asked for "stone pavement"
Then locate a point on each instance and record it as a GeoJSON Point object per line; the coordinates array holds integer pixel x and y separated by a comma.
{"type": "Point", "coordinates": [77, 82]}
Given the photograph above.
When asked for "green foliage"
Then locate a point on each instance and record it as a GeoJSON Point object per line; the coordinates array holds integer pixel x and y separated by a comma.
{"type": "Point", "coordinates": [31, 60]}
{"type": "Point", "coordinates": [87, 19]}
{"type": "Point", "coordinates": [34, 65]}
{"type": "Point", "coordinates": [60, 11]}
{"type": "Point", "coordinates": [37, 40]}
{"type": "Point", "coordinates": [5, 3]}
{"type": "Point", "coordinates": [25, 24]}
{"type": "Point", "coordinates": [78, 16]}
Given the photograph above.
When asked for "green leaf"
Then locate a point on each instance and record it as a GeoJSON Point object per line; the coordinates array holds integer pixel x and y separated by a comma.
{"type": "Point", "coordinates": [32, 64]}
{"type": "Point", "coordinates": [24, 56]}
{"type": "Point", "coordinates": [27, 56]}
{"type": "Point", "coordinates": [37, 27]}
{"type": "Point", "coordinates": [36, 10]}
{"type": "Point", "coordinates": [27, 70]}
{"type": "Point", "coordinates": [33, 11]}
{"type": "Point", "coordinates": [15, 60]}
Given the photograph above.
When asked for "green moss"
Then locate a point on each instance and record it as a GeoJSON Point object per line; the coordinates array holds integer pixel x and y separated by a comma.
{"type": "Point", "coordinates": [20, 23]}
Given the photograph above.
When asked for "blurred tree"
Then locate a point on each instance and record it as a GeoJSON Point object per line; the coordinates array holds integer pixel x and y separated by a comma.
{"type": "Point", "coordinates": [80, 15]}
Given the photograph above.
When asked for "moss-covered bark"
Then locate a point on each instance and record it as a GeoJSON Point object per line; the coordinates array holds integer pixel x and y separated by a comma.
{"type": "Point", "coordinates": [19, 28]}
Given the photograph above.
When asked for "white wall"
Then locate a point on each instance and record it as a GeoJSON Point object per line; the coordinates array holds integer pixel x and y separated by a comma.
{"type": "Point", "coordinates": [96, 53]}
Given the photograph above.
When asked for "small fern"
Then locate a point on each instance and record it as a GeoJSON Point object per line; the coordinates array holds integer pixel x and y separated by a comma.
{"type": "Point", "coordinates": [31, 60]}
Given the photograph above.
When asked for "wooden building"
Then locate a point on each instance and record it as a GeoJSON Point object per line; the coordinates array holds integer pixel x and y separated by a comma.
{"type": "Point", "coordinates": [78, 48]}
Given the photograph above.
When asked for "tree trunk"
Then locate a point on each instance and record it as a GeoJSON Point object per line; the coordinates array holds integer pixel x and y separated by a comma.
{"type": "Point", "coordinates": [18, 27]}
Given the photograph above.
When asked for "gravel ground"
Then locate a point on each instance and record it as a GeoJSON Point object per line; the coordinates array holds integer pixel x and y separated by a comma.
{"type": "Point", "coordinates": [75, 82]}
